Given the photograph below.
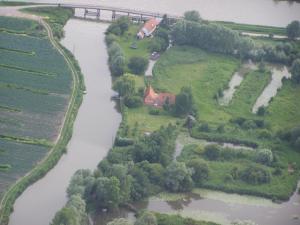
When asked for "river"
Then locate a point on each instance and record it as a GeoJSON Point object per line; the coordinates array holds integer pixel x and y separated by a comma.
{"type": "Point", "coordinates": [94, 128]}
{"type": "Point", "coordinates": [261, 12]}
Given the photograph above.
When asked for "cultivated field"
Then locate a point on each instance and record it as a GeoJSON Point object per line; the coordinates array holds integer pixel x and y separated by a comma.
{"type": "Point", "coordinates": [35, 86]}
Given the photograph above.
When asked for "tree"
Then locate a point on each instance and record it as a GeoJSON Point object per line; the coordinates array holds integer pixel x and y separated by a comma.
{"type": "Point", "coordinates": [184, 102]}
{"type": "Point", "coordinates": [192, 16]}
{"type": "Point", "coordinates": [293, 29]}
{"type": "Point", "coordinates": [66, 216]}
{"type": "Point", "coordinates": [117, 65]}
{"type": "Point", "coordinates": [125, 85]}
{"type": "Point", "coordinates": [178, 177]}
{"type": "Point", "coordinates": [264, 156]}
{"type": "Point", "coordinates": [138, 65]}
{"type": "Point", "coordinates": [295, 71]}
{"type": "Point", "coordinates": [212, 152]}
{"type": "Point", "coordinates": [255, 175]}
{"type": "Point", "coordinates": [147, 218]}
{"type": "Point", "coordinates": [199, 170]}
{"type": "Point", "coordinates": [105, 192]}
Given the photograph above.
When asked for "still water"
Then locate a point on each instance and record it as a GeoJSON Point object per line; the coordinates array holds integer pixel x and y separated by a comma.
{"type": "Point", "coordinates": [262, 12]}
{"type": "Point", "coordinates": [94, 128]}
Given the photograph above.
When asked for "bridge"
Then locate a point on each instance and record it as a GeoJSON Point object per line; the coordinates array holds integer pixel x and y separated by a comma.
{"type": "Point", "coordinates": [95, 10]}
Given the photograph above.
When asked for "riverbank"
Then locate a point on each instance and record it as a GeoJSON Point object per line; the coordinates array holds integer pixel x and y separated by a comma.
{"type": "Point", "coordinates": [64, 134]}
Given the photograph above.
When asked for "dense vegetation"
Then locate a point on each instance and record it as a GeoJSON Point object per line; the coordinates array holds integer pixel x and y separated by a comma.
{"type": "Point", "coordinates": [198, 68]}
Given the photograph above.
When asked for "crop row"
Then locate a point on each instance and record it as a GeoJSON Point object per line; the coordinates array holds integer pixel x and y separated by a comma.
{"type": "Point", "coordinates": [20, 157]}
{"type": "Point", "coordinates": [14, 24]}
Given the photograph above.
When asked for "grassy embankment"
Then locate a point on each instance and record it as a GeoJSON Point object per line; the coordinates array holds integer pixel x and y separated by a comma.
{"type": "Point", "coordinates": [206, 74]}
{"type": "Point", "coordinates": [66, 131]}
{"type": "Point", "coordinates": [253, 28]}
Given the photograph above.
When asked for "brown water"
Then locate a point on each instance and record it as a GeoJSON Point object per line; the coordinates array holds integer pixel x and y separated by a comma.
{"type": "Point", "coordinates": [217, 207]}
{"type": "Point", "coordinates": [94, 128]}
{"type": "Point", "coordinates": [235, 82]}
{"type": "Point", "coordinates": [278, 72]}
{"type": "Point", "coordinates": [262, 12]}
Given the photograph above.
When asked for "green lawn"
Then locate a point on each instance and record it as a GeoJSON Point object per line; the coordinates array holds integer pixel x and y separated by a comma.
{"type": "Point", "coordinates": [250, 89]}
{"type": "Point", "coordinates": [205, 73]}
{"type": "Point", "coordinates": [284, 110]}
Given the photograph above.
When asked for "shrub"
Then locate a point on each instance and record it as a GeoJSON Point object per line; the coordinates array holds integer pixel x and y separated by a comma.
{"type": "Point", "coordinates": [178, 178]}
{"type": "Point", "coordinates": [133, 101]}
{"type": "Point", "coordinates": [212, 152]}
{"type": "Point", "coordinates": [264, 156]}
{"type": "Point", "coordinates": [249, 124]}
{"type": "Point", "coordinates": [199, 170]}
{"type": "Point", "coordinates": [261, 111]}
{"type": "Point", "coordinates": [154, 111]}
{"type": "Point", "coordinates": [204, 127]}
{"type": "Point", "coordinates": [255, 175]}
{"type": "Point", "coordinates": [138, 65]}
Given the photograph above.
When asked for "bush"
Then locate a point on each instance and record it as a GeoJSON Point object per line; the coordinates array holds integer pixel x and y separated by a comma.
{"type": "Point", "coordinates": [138, 65]}
{"type": "Point", "coordinates": [178, 178]}
{"type": "Point", "coordinates": [255, 175]}
{"type": "Point", "coordinates": [212, 152]}
{"type": "Point", "coordinates": [261, 111]}
{"type": "Point", "coordinates": [249, 124]}
{"type": "Point", "coordinates": [264, 156]}
{"type": "Point", "coordinates": [133, 101]}
{"type": "Point", "coordinates": [204, 127]}
{"type": "Point", "coordinates": [154, 111]}
{"type": "Point", "coordinates": [199, 170]}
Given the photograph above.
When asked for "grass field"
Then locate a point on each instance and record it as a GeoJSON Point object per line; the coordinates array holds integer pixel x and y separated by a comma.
{"type": "Point", "coordinates": [35, 87]}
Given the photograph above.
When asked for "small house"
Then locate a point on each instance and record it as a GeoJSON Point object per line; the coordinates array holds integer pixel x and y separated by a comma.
{"type": "Point", "coordinates": [158, 100]}
{"type": "Point", "coordinates": [148, 28]}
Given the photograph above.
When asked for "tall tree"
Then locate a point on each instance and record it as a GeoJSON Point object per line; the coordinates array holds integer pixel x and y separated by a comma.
{"type": "Point", "coordinates": [192, 16]}
{"type": "Point", "coordinates": [293, 29]}
{"type": "Point", "coordinates": [295, 71]}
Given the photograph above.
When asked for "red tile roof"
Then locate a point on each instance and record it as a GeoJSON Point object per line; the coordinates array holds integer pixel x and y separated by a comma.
{"type": "Point", "coordinates": [158, 99]}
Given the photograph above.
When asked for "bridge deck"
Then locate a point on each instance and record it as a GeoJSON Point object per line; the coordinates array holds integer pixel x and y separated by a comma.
{"type": "Point", "coordinates": [118, 9]}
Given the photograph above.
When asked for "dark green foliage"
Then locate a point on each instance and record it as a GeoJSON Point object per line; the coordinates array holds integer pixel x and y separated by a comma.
{"type": "Point", "coordinates": [200, 170]}
{"type": "Point", "coordinates": [116, 59]}
{"type": "Point", "coordinates": [212, 152]}
{"type": "Point", "coordinates": [178, 178]}
{"type": "Point", "coordinates": [255, 175]}
{"type": "Point", "coordinates": [295, 71]}
{"type": "Point", "coordinates": [133, 101]}
{"type": "Point", "coordinates": [156, 148]}
{"type": "Point", "coordinates": [119, 26]}
{"type": "Point", "coordinates": [184, 102]}
{"type": "Point", "coordinates": [291, 136]}
{"type": "Point", "coordinates": [138, 65]}
{"type": "Point", "coordinates": [72, 214]}
{"type": "Point", "coordinates": [264, 156]}
{"type": "Point", "coordinates": [210, 37]}
{"type": "Point", "coordinates": [293, 29]}
{"type": "Point", "coordinates": [261, 111]}
{"type": "Point", "coordinates": [192, 16]}
{"type": "Point", "coordinates": [125, 86]}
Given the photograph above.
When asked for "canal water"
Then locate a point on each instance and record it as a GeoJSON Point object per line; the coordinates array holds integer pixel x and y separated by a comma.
{"type": "Point", "coordinates": [94, 128]}
{"type": "Point", "coordinates": [261, 12]}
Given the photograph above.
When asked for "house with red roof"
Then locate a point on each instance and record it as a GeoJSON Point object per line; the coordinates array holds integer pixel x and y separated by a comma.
{"type": "Point", "coordinates": [158, 100]}
{"type": "Point", "coordinates": [148, 28]}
